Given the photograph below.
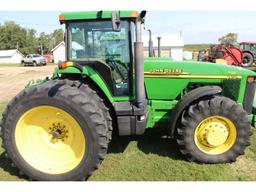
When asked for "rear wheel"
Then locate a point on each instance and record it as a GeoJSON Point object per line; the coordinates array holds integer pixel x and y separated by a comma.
{"type": "Point", "coordinates": [247, 60]}
{"type": "Point", "coordinates": [55, 132]}
{"type": "Point", "coordinates": [34, 63]}
{"type": "Point", "coordinates": [216, 130]}
{"type": "Point", "coordinates": [23, 63]}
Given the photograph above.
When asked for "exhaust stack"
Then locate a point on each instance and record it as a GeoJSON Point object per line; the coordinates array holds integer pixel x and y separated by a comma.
{"type": "Point", "coordinates": [150, 44]}
{"type": "Point", "coordinates": [159, 46]}
{"type": "Point", "coordinates": [139, 63]}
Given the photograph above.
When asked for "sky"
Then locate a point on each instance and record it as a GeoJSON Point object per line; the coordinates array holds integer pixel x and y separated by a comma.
{"type": "Point", "coordinates": [195, 26]}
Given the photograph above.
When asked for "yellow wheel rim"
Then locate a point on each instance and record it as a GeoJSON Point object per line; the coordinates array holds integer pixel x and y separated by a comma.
{"type": "Point", "coordinates": [50, 140]}
{"type": "Point", "coordinates": [215, 135]}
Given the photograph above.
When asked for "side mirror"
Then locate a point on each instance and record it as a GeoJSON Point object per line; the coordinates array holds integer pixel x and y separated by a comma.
{"type": "Point", "coordinates": [116, 23]}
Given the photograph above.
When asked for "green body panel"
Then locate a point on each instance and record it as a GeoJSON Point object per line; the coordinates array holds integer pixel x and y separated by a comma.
{"type": "Point", "coordinates": [169, 86]}
{"type": "Point", "coordinates": [94, 15]}
{"type": "Point", "coordinates": [164, 89]}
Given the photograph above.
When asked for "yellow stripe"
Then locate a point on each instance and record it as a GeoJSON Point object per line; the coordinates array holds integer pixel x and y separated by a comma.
{"type": "Point", "coordinates": [194, 76]}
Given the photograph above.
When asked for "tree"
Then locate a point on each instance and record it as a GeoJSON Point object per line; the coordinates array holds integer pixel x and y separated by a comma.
{"type": "Point", "coordinates": [58, 36]}
{"type": "Point", "coordinates": [44, 40]}
{"type": "Point", "coordinates": [230, 38]}
{"type": "Point", "coordinates": [13, 36]}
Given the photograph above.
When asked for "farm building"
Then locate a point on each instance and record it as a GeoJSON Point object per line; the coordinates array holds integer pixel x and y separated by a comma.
{"type": "Point", "coordinates": [171, 46]}
{"type": "Point", "coordinates": [59, 52]}
{"type": "Point", "coordinates": [10, 56]}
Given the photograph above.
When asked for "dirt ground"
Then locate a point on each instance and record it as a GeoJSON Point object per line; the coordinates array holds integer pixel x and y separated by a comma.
{"type": "Point", "coordinates": [14, 79]}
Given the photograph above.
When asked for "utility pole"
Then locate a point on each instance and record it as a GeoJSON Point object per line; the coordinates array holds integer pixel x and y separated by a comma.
{"type": "Point", "coordinates": [17, 45]}
{"type": "Point", "coordinates": [42, 51]}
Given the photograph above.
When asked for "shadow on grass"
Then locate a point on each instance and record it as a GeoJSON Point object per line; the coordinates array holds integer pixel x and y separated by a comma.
{"type": "Point", "coordinates": [6, 165]}
{"type": "Point", "coordinates": [154, 141]}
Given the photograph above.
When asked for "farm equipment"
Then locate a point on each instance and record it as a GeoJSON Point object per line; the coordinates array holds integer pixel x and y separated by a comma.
{"type": "Point", "coordinates": [60, 128]}
{"type": "Point", "coordinates": [227, 53]}
{"type": "Point", "coordinates": [249, 53]}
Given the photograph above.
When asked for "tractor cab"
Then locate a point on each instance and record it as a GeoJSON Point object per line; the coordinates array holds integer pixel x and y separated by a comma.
{"type": "Point", "coordinates": [92, 41]}
{"type": "Point", "coordinates": [249, 53]}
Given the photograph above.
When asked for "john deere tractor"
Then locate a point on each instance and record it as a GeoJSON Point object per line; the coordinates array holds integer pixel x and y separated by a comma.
{"type": "Point", "coordinates": [60, 128]}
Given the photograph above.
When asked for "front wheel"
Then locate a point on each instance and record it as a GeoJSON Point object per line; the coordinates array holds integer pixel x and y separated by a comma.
{"type": "Point", "coordinates": [214, 130]}
{"type": "Point", "coordinates": [55, 132]}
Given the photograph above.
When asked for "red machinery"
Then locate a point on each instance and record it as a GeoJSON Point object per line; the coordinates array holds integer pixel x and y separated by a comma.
{"type": "Point", "coordinates": [229, 53]}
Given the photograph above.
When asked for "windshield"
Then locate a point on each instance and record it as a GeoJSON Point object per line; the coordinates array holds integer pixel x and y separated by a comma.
{"type": "Point", "coordinates": [96, 40]}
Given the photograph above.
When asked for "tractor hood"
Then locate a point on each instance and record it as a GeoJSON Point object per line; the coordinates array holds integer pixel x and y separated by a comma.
{"type": "Point", "coordinates": [194, 69]}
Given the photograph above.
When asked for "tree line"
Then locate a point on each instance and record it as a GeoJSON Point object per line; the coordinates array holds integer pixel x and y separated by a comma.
{"type": "Point", "coordinates": [14, 36]}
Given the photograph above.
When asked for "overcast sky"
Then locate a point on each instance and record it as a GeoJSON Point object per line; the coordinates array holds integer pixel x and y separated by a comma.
{"type": "Point", "coordinates": [195, 26]}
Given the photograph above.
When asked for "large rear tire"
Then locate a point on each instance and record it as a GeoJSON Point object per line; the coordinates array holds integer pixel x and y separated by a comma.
{"type": "Point", "coordinates": [214, 130]}
{"type": "Point", "coordinates": [54, 131]}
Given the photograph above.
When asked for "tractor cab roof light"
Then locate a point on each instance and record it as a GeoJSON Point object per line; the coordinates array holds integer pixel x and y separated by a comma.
{"type": "Point", "coordinates": [61, 18]}
{"type": "Point", "coordinates": [134, 14]}
{"type": "Point", "coordinates": [65, 64]}
{"type": "Point", "coordinates": [250, 78]}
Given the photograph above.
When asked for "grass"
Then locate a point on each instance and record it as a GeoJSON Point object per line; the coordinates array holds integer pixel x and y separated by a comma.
{"type": "Point", "coordinates": [153, 157]}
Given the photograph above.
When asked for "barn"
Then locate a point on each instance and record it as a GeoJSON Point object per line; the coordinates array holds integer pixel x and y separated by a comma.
{"type": "Point", "coordinates": [171, 46]}
{"type": "Point", "coordinates": [10, 56]}
{"type": "Point", "coordinates": [59, 52]}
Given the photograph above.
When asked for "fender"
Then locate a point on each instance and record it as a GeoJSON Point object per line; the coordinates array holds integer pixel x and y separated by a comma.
{"type": "Point", "coordinates": [189, 98]}
{"type": "Point", "coordinates": [86, 71]}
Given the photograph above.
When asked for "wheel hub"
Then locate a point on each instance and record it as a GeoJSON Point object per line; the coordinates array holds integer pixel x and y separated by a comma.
{"type": "Point", "coordinates": [58, 131]}
{"type": "Point", "coordinates": [215, 134]}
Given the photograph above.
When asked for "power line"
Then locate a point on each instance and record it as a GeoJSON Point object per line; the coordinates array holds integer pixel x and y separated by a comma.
{"type": "Point", "coordinates": [32, 24]}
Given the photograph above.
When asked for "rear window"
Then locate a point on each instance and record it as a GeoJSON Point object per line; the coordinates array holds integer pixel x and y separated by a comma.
{"type": "Point", "coordinates": [36, 55]}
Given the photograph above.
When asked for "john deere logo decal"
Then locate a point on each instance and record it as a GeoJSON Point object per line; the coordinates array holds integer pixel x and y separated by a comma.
{"type": "Point", "coordinates": [167, 72]}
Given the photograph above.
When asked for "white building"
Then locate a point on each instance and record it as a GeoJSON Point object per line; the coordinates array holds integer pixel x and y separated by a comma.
{"type": "Point", "coordinates": [171, 46]}
{"type": "Point", "coordinates": [10, 56]}
{"type": "Point", "coordinates": [59, 53]}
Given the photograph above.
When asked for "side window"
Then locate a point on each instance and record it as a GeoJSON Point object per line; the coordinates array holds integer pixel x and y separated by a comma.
{"type": "Point", "coordinates": [96, 40]}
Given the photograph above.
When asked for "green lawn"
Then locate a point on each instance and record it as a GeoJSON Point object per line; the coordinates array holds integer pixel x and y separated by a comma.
{"type": "Point", "coordinates": [154, 157]}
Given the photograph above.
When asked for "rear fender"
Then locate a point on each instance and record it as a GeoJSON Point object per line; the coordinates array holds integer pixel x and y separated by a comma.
{"type": "Point", "coordinates": [188, 99]}
{"type": "Point", "coordinates": [87, 72]}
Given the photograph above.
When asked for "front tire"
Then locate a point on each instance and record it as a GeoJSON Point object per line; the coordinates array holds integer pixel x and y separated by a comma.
{"type": "Point", "coordinates": [55, 132]}
{"type": "Point", "coordinates": [214, 130]}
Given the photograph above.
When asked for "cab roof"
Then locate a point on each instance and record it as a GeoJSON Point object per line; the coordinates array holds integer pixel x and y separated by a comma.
{"type": "Point", "coordinates": [248, 43]}
{"type": "Point", "coordinates": [95, 15]}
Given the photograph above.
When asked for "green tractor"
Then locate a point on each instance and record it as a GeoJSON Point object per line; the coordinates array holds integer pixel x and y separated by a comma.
{"type": "Point", "coordinates": [60, 127]}
{"type": "Point", "coordinates": [249, 53]}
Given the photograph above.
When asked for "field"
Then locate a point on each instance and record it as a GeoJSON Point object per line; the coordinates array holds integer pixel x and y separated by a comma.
{"type": "Point", "coordinates": [151, 157]}
{"type": "Point", "coordinates": [195, 47]}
